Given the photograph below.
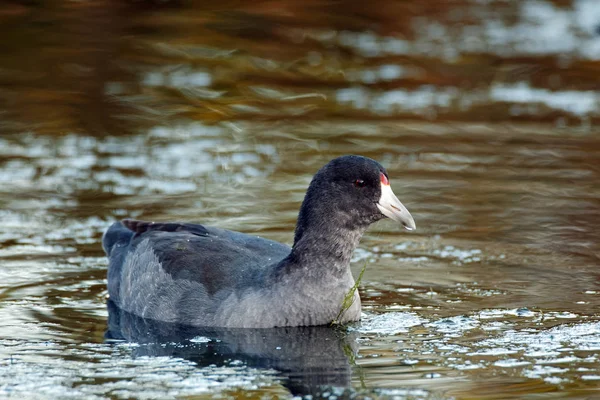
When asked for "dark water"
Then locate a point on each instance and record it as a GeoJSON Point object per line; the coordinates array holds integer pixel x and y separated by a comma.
{"type": "Point", "coordinates": [485, 114]}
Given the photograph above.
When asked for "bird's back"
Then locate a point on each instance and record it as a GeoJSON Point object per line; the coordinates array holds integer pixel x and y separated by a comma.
{"type": "Point", "coordinates": [180, 272]}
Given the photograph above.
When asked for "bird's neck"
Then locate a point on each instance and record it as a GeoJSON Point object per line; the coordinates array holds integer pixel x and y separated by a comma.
{"type": "Point", "coordinates": [326, 250]}
{"type": "Point", "coordinates": [327, 233]}
{"type": "Point", "coordinates": [316, 276]}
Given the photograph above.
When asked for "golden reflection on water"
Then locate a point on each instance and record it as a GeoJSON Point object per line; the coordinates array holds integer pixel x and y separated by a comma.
{"type": "Point", "coordinates": [106, 68]}
{"type": "Point", "coordinates": [221, 112]}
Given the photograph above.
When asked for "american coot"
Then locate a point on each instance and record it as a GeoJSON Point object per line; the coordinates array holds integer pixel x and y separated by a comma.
{"type": "Point", "coordinates": [206, 276]}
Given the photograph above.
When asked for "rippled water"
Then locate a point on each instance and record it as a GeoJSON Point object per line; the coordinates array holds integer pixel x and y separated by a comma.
{"type": "Point", "coordinates": [484, 114]}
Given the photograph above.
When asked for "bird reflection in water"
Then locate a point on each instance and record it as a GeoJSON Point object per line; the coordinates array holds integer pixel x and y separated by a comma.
{"type": "Point", "coordinates": [310, 360]}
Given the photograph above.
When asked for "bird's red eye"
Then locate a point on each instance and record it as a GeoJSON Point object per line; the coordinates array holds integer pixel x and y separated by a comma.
{"type": "Point", "coordinates": [359, 183]}
{"type": "Point", "coordinates": [384, 179]}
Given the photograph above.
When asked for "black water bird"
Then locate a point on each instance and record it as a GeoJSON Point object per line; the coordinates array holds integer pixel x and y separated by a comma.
{"type": "Point", "coordinates": [206, 276]}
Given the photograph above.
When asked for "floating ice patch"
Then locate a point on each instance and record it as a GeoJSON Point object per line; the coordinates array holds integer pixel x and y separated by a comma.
{"type": "Point", "coordinates": [404, 393]}
{"type": "Point", "coordinates": [418, 101]}
{"type": "Point", "coordinates": [455, 324]}
{"type": "Point", "coordinates": [466, 365]}
{"type": "Point", "coordinates": [413, 259]}
{"type": "Point", "coordinates": [524, 312]}
{"type": "Point", "coordinates": [459, 256]}
{"type": "Point", "coordinates": [538, 371]}
{"type": "Point", "coordinates": [473, 290]}
{"type": "Point", "coordinates": [583, 337]}
{"type": "Point", "coordinates": [495, 326]}
{"type": "Point", "coordinates": [181, 78]}
{"type": "Point", "coordinates": [517, 312]}
{"type": "Point", "coordinates": [572, 101]}
{"type": "Point", "coordinates": [511, 363]}
{"type": "Point", "coordinates": [538, 27]}
{"type": "Point", "coordinates": [541, 353]}
{"type": "Point", "coordinates": [493, 352]}
{"type": "Point", "coordinates": [200, 339]}
{"type": "Point", "coordinates": [406, 245]}
{"type": "Point", "coordinates": [590, 377]}
{"type": "Point", "coordinates": [389, 323]}
{"type": "Point", "coordinates": [114, 374]}
{"type": "Point", "coordinates": [386, 72]}
{"type": "Point", "coordinates": [561, 360]}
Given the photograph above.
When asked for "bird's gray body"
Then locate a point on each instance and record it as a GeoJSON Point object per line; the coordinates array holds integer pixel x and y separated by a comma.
{"type": "Point", "coordinates": [207, 276]}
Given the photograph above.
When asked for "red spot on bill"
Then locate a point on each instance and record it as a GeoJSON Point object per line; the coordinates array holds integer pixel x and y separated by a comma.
{"type": "Point", "coordinates": [384, 179]}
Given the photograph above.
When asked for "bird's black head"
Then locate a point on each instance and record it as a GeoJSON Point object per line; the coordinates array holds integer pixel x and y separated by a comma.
{"type": "Point", "coordinates": [350, 193]}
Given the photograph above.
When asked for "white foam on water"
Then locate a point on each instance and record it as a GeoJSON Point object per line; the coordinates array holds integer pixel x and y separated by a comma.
{"type": "Point", "coordinates": [575, 102]}
{"type": "Point", "coordinates": [389, 323]}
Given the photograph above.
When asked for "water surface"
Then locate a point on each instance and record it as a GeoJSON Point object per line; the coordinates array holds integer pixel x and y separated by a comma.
{"type": "Point", "coordinates": [484, 113]}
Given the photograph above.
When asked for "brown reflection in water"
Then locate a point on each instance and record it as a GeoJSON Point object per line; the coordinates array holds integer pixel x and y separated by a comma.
{"type": "Point", "coordinates": [58, 60]}
{"type": "Point", "coordinates": [109, 67]}
{"type": "Point", "coordinates": [292, 84]}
